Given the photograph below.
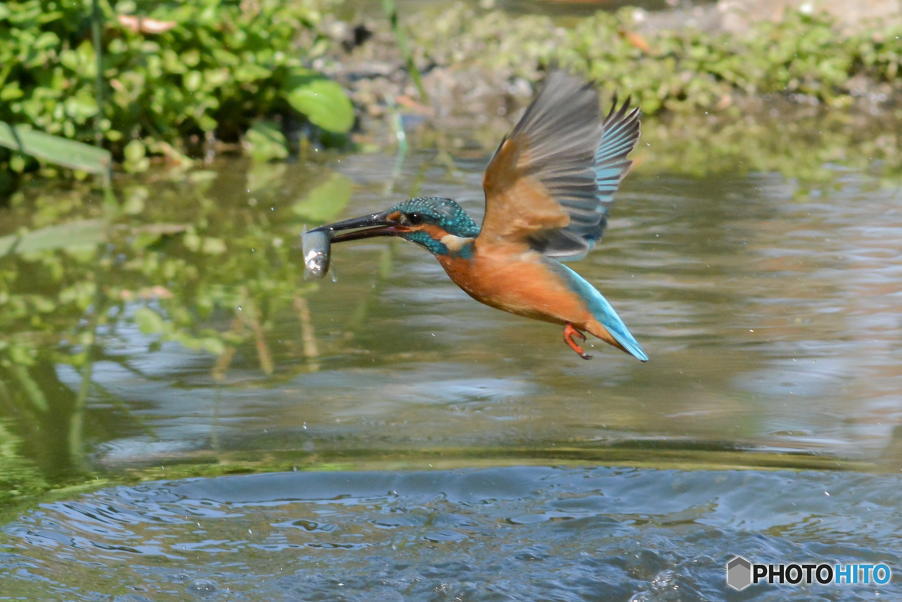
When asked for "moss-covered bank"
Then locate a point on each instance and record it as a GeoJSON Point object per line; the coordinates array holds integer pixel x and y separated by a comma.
{"type": "Point", "coordinates": [468, 54]}
{"type": "Point", "coordinates": [794, 95]}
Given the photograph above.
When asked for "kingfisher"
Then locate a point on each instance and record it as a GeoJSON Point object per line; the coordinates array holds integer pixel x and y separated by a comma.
{"type": "Point", "coordinates": [548, 188]}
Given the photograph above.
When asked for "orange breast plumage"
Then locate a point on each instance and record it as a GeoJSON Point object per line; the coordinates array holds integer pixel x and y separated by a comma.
{"type": "Point", "coordinates": [521, 283]}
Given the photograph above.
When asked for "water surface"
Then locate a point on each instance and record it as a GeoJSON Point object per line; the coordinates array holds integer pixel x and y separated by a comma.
{"type": "Point", "coordinates": [497, 534]}
{"type": "Point", "coordinates": [467, 453]}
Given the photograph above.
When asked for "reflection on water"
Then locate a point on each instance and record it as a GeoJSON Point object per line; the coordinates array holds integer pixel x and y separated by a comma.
{"type": "Point", "coordinates": [771, 324]}
{"type": "Point", "coordinates": [771, 318]}
{"type": "Point", "coordinates": [501, 533]}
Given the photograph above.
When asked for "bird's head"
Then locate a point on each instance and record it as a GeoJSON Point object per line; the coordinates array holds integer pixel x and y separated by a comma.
{"type": "Point", "coordinates": [439, 224]}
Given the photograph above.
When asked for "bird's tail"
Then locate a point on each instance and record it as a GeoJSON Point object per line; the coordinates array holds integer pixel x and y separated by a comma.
{"type": "Point", "coordinates": [604, 313]}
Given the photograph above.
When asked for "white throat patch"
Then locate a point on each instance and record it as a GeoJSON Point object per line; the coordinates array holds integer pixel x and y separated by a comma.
{"type": "Point", "coordinates": [455, 243]}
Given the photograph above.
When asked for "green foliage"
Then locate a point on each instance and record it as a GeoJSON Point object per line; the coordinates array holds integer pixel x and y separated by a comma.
{"type": "Point", "coordinates": [54, 149]}
{"type": "Point", "coordinates": [667, 70]}
{"type": "Point", "coordinates": [688, 69]}
{"type": "Point", "coordinates": [199, 69]}
{"type": "Point", "coordinates": [266, 141]}
{"type": "Point", "coordinates": [322, 100]}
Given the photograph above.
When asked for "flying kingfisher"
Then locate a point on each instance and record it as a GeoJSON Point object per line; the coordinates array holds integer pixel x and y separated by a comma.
{"type": "Point", "coordinates": [547, 192]}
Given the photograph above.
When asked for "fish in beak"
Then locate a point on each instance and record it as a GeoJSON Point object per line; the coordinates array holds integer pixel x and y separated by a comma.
{"type": "Point", "coordinates": [317, 242]}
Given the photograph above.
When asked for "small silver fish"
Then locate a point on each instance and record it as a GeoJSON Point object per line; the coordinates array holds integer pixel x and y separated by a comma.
{"type": "Point", "coordinates": [316, 247]}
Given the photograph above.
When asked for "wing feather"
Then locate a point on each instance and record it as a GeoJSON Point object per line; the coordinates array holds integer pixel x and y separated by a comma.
{"type": "Point", "coordinates": [549, 184]}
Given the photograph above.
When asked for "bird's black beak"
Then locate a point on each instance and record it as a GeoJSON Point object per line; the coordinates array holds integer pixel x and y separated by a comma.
{"type": "Point", "coordinates": [367, 226]}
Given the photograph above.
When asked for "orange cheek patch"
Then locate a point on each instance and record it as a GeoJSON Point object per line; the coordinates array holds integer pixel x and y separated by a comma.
{"type": "Point", "coordinates": [436, 232]}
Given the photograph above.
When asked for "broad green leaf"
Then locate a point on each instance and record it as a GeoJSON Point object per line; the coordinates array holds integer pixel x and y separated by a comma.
{"type": "Point", "coordinates": [326, 201]}
{"type": "Point", "coordinates": [322, 100]}
{"type": "Point", "coordinates": [54, 149]}
{"type": "Point", "coordinates": [266, 142]}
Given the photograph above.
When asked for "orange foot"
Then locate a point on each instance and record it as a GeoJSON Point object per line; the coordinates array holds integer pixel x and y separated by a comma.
{"type": "Point", "coordinates": [569, 332]}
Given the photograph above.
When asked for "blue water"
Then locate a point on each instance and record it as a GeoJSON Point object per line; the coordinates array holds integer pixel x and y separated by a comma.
{"type": "Point", "coordinates": [522, 533]}
{"type": "Point", "coordinates": [445, 450]}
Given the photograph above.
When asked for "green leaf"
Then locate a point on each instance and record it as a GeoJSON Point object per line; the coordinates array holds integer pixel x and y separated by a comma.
{"type": "Point", "coordinates": [193, 81]}
{"type": "Point", "coordinates": [149, 321]}
{"type": "Point", "coordinates": [322, 100]}
{"type": "Point", "coordinates": [134, 150]}
{"type": "Point", "coordinates": [266, 142]}
{"type": "Point", "coordinates": [326, 201]}
{"type": "Point", "coordinates": [55, 149]}
{"type": "Point", "coordinates": [135, 153]}
{"type": "Point", "coordinates": [11, 91]}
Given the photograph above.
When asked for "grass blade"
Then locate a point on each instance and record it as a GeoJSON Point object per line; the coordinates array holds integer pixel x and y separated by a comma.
{"type": "Point", "coordinates": [54, 149]}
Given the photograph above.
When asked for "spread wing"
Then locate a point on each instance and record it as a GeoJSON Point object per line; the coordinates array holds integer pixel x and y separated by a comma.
{"type": "Point", "coordinates": [552, 179]}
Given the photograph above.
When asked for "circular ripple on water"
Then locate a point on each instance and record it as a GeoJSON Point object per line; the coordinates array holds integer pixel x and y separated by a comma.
{"type": "Point", "coordinates": [502, 533]}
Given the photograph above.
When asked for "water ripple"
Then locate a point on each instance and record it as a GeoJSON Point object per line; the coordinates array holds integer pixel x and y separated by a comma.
{"type": "Point", "coordinates": [502, 533]}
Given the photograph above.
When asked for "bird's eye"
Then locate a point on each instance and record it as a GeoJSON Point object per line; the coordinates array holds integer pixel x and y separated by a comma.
{"type": "Point", "coordinates": [415, 218]}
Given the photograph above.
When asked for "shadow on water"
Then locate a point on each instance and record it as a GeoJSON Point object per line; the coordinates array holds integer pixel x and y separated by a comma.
{"type": "Point", "coordinates": [171, 335]}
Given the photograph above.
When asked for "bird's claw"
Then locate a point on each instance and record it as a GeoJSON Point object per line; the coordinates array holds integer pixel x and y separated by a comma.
{"type": "Point", "coordinates": [569, 332]}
